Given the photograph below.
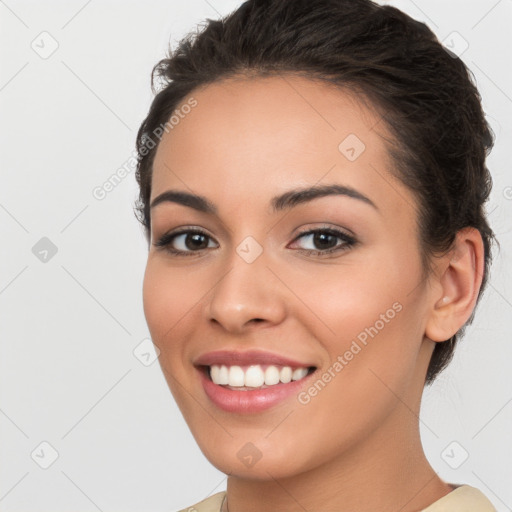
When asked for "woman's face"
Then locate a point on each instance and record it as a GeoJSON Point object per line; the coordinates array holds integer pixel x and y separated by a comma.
{"type": "Point", "coordinates": [330, 280]}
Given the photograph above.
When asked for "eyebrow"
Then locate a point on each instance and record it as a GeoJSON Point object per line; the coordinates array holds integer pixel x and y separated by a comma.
{"type": "Point", "coordinates": [279, 203]}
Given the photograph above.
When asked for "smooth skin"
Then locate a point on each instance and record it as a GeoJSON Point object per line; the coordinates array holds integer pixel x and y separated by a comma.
{"type": "Point", "coordinates": [356, 444]}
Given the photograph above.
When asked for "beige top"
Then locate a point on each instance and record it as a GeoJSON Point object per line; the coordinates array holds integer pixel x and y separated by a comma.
{"type": "Point", "coordinates": [462, 499]}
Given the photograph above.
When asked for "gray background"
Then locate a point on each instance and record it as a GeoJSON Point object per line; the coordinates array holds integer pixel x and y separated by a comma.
{"type": "Point", "coordinates": [71, 320]}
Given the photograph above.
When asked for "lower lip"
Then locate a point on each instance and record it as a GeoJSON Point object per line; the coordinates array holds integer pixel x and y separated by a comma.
{"type": "Point", "coordinates": [255, 400]}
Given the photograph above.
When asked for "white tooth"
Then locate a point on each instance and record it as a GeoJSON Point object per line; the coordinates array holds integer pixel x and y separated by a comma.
{"type": "Point", "coordinates": [271, 375]}
{"type": "Point", "coordinates": [285, 374]}
{"type": "Point", "coordinates": [214, 373]}
{"type": "Point", "coordinates": [254, 376]}
{"type": "Point", "coordinates": [223, 375]}
{"type": "Point", "coordinates": [236, 376]}
{"type": "Point", "coordinates": [299, 373]}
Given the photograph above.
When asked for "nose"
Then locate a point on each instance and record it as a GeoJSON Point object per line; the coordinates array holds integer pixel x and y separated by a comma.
{"type": "Point", "coordinates": [247, 295]}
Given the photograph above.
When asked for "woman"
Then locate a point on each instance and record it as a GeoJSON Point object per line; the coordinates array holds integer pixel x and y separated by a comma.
{"type": "Point", "coordinates": [312, 180]}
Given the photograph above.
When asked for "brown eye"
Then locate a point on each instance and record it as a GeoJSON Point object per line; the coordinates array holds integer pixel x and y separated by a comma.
{"type": "Point", "coordinates": [195, 241]}
{"type": "Point", "coordinates": [325, 241]}
{"type": "Point", "coordinates": [185, 242]}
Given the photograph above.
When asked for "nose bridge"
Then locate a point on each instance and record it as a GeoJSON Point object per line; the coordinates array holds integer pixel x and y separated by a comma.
{"type": "Point", "coordinates": [247, 290]}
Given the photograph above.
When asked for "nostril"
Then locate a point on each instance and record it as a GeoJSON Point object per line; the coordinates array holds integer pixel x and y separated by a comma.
{"type": "Point", "coordinates": [254, 321]}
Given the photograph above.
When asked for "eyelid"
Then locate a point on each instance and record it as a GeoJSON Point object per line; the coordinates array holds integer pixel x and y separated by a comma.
{"type": "Point", "coordinates": [186, 228]}
{"type": "Point", "coordinates": [328, 228]}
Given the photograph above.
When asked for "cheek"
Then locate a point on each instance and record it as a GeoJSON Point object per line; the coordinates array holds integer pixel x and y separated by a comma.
{"type": "Point", "coordinates": [169, 297]}
{"type": "Point", "coordinates": [346, 299]}
{"type": "Point", "coordinates": [371, 314]}
{"type": "Point", "coordinates": [371, 331]}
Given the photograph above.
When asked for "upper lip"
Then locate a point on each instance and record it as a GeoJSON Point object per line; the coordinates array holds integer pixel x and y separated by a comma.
{"type": "Point", "coordinates": [232, 357]}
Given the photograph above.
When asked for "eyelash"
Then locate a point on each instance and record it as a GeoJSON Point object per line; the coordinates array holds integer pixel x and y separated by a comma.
{"type": "Point", "coordinates": [348, 241]}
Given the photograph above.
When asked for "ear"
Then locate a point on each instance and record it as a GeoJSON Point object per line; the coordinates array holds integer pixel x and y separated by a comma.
{"type": "Point", "coordinates": [456, 286]}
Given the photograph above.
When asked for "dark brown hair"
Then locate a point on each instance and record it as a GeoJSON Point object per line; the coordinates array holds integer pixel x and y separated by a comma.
{"type": "Point", "coordinates": [425, 94]}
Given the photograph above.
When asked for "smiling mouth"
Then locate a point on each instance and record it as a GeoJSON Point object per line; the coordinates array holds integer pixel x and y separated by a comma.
{"type": "Point", "coordinates": [251, 377]}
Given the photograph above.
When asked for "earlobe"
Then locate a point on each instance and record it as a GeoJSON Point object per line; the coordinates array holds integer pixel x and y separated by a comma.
{"type": "Point", "coordinates": [458, 285]}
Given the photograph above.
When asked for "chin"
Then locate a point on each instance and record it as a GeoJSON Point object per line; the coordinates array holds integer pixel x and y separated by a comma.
{"type": "Point", "coordinates": [256, 458]}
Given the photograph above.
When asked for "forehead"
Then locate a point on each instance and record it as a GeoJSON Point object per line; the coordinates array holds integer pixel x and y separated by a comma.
{"type": "Point", "coordinates": [265, 135]}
